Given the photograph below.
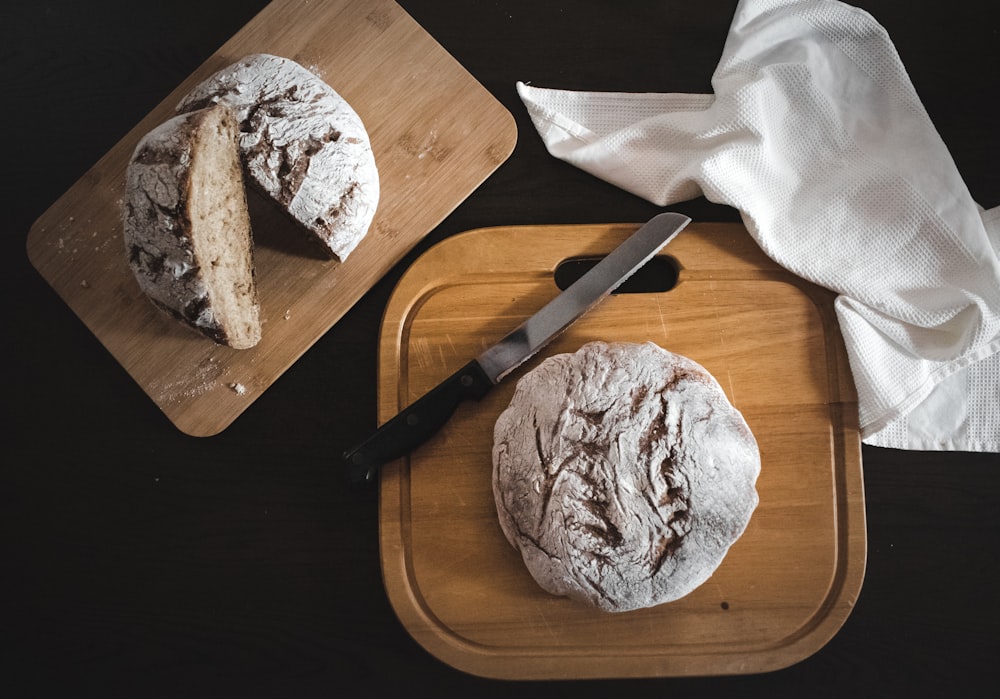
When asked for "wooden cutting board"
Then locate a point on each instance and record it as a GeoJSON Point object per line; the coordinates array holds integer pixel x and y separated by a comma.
{"type": "Point", "coordinates": [771, 340]}
{"type": "Point", "coordinates": [436, 133]}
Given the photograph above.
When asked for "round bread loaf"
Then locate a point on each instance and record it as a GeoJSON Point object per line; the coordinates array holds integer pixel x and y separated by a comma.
{"type": "Point", "coordinates": [622, 474]}
{"type": "Point", "coordinates": [186, 227]}
{"type": "Point", "coordinates": [302, 144]}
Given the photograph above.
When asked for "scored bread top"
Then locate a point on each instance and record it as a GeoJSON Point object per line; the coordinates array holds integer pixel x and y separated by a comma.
{"type": "Point", "coordinates": [302, 144]}
{"type": "Point", "coordinates": [622, 474]}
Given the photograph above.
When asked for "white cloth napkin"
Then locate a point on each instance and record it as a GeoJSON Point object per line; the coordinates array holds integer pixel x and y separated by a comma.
{"type": "Point", "coordinates": [816, 135]}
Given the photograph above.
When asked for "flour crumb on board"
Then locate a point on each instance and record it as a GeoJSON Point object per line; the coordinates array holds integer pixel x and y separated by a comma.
{"type": "Point", "coordinates": [288, 314]}
{"type": "Point", "coordinates": [238, 388]}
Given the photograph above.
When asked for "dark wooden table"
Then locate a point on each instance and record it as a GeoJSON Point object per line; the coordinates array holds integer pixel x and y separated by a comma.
{"type": "Point", "coordinates": [141, 562]}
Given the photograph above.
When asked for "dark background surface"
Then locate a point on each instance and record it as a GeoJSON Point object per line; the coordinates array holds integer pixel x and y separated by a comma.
{"type": "Point", "coordinates": [141, 562]}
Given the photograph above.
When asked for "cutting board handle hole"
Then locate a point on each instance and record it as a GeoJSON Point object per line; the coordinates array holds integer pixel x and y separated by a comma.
{"type": "Point", "coordinates": [656, 276]}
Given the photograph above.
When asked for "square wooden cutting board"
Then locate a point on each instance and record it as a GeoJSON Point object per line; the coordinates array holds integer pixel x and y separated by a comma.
{"type": "Point", "coordinates": [436, 133]}
{"type": "Point", "coordinates": [772, 341]}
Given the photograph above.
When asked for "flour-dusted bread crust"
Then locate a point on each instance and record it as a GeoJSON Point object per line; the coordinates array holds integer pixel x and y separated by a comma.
{"type": "Point", "coordinates": [622, 474]}
{"type": "Point", "coordinates": [303, 145]}
{"type": "Point", "coordinates": [186, 228]}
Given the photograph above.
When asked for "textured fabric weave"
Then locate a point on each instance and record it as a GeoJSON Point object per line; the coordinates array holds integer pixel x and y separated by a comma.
{"type": "Point", "coordinates": [815, 133]}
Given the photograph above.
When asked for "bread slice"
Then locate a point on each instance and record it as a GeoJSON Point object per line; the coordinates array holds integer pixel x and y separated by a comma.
{"type": "Point", "coordinates": [187, 230]}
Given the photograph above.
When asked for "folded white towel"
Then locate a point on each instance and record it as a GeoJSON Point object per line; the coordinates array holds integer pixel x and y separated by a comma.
{"type": "Point", "coordinates": [816, 135]}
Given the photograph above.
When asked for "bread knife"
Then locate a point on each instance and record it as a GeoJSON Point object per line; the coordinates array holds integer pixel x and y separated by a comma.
{"type": "Point", "coordinates": [425, 416]}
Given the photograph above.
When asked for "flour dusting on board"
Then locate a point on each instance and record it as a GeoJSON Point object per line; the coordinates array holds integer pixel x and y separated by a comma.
{"type": "Point", "coordinates": [202, 380]}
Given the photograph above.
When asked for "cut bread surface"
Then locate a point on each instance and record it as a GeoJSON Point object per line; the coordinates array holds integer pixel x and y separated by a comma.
{"type": "Point", "coordinates": [221, 232]}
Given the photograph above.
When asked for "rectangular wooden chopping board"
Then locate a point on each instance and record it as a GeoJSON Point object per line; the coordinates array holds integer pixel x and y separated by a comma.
{"type": "Point", "coordinates": [436, 133]}
{"type": "Point", "coordinates": [772, 341]}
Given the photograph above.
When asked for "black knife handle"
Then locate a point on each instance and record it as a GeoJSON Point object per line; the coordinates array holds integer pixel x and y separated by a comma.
{"type": "Point", "coordinates": [416, 423]}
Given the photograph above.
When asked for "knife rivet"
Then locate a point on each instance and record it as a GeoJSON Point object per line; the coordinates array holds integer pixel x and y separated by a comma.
{"type": "Point", "coordinates": [412, 419]}
{"type": "Point", "coordinates": [466, 380]}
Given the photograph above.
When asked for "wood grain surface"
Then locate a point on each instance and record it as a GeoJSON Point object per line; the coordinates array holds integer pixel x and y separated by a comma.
{"type": "Point", "coordinates": [436, 133]}
{"type": "Point", "coordinates": [771, 340]}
